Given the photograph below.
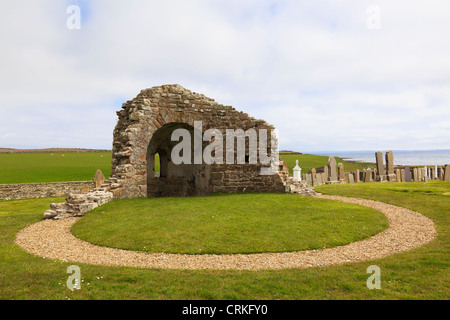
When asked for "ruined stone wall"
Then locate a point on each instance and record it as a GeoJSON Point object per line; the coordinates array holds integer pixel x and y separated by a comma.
{"type": "Point", "coordinates": [42, 190]}
{"type": "Point", "coordinates": [154, 108]}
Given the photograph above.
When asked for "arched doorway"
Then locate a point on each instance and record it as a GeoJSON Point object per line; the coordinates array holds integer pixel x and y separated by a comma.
{"type": "Point", "coordinates": [185, 179]}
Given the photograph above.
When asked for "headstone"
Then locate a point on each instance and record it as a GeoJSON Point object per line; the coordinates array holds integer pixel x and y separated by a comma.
{"type": "Point", "coordinates": [324, 177]}
{"type": "Point", "coordinates": [431, 173]}
{"type": "Point", "coordinates": [389, 162]}
{"type": "Point", "coordinates": [435, 172]}
{"type": "Point", "coordinates": [308, 180]}
{"type": "Point", "coordinates": [325, 172]}
{"type": "Point", "coordinates": [318, 181]}
{"type": "Point", "coordinates": [416, 174]}
{"type": "Point", "coordinates": [407, 174]}
{"type": "Point", "coordinates": [332, 169]}
{"type": "Point", "coordinates": [380, 166]}
{"type": "Point", "coordinates": [99, 178]}
{"type": "Point", "coordinates": [313, 175]}
{"type": "Point", "coordinates": [351, 178]}
{"type": "Point", "coordinates": [447, 173]}
{"type": "Point", "coordinates": [426, 172]}
{"type": "Point", "coordinates": [341, 172]}
{"type": "Point", "coordinates": [398, 175]}
{"type": "Point", "coordinates": [357, 176]}
{"type": "Point", "coordinates": [403, 174]}
{"type": "Point", "coordinates": [441, 173]}
{"type": "Point", "coordinates": [297, 172]}
{"type": "Point", "coordinates": [368, 175]}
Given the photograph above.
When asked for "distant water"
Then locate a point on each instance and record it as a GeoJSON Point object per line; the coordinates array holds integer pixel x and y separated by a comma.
{"type": "Point", "coordinates": [401, 157]}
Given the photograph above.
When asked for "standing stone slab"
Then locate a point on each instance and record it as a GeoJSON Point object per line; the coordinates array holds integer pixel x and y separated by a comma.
{"type": "Point", "coordinates": [332, 174]}
{"type": "Point", "coordinates": [447, 173]}
{"type": "Point", "coordinates": [341, 172]}
{"type": "Point", "coordinates": [398, 175]}
{"type": "Point", "coordinates": [357, 176]}
{"type": "Point", "coordinates": [324, 177]}
{"type": "Point", "coordinates": [416, 174]}
{"type": "Point", "coordinates": [407, 174]}
{"type": "Point", "coordinates": [313, 176]}
{"type": "Point", "coordinates": [389, 162]}
{"type": "Point", "coordinates": [351, 178]}
{"type": "Point", "coordinates": [99, 178]}
{"type": "Point", "coordinates": [441, 173]}
{"type": "Point", "coordinates": [368, 175]}
{"type": "Point", "coordinates": [318, 181]}
{"type": "Point", "coordinates": [380, 166]}
{"type": "Point", "coordinates": [308, 180]}
{"type": "Point", "coordinates": [403, 174]}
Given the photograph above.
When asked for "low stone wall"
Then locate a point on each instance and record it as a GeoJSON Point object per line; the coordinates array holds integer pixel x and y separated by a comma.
{"type": "Point", "coordinates": [43, 190]}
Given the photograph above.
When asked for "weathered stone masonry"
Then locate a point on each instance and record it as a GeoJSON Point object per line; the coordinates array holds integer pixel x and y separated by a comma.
{"type": "Point", "coordinates": [42, 190]}
{"type": "Point", "coordinates": [144, 129]}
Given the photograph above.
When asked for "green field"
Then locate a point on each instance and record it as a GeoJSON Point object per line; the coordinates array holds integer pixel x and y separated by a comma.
{"type": "Point", "coordinates": [228, 223]}
{"type": "Point", "coordinates": [422, 273]}
{"type": "Point", "coordinates": [72, 166]}
{"type": "Point", "coordinates": [52, 167]}
{"type": "Point", "coordinates": [309, 161]}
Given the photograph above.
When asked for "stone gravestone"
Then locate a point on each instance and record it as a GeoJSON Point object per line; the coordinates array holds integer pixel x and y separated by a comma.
{"type": "Point", "coordinates": [398, 175]}
{"type": "Point", "coordinates": [390, 166]}
{"type": "Point", "coordinates": [441, 173]}
{"type": "Point", "coordinates": [380, 166]}
{"type": "Point", "coordinates": [351, 178]}
{"type": "Point", "coordinates": [308, 180]}
{"type": "Point", "coordinates": [324, 177]}
{"type": "Point", "coordinates": [407, 174]}
{"type": "Point", "coordinates": [341, 173]}
{"type": "Point", "coordinates": [357, 176]}
{"type": "Point", "coordinates": [297, 171]}
{"type": "Point", "coordinates": [99, 178]}
{"type": "Point", "coordinates": [318, 181]}
{"type": "Point", "coordinates": [313, 176]}
{"type": "Point", "coordinates": [332, 174]}
{"type": "Point", "coordinates": [416, 174]}
{"type": "Point", "coordinates": [402, 173]}
{"type": "Point", "coordinates": [447, 173]}
{"type": "Point", "coordinates": [368, 175]}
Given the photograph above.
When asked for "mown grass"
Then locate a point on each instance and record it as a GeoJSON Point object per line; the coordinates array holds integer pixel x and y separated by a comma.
{"type": "Point", "coordinates": [228, 223]}
{"type": "Point", "coordinates": [309, 161]}
{"type": "Point", "coordinates": [422, 273]}
{"type": "Point", "coordinates": [52, 167]}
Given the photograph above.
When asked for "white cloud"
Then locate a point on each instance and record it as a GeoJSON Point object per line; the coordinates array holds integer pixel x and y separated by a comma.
{"type": "Point", "coordinates": [311, 68]}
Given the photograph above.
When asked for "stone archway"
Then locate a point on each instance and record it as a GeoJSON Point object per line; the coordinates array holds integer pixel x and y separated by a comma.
{"type": "Point", "coordinates": [185, 179]}
{"type": "Point", "coordinates": [144, 128]}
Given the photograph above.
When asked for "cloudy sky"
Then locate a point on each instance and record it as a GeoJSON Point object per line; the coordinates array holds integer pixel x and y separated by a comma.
{"type": "Point", "coordinates": [330, 75]}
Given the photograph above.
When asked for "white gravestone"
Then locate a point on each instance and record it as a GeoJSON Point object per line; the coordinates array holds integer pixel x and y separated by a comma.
{"type": "Point", "coordinates": [297, 172]}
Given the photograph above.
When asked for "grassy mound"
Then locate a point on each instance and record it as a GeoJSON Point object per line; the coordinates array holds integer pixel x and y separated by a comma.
{"type": "Point", "coordinates": [228, 223]}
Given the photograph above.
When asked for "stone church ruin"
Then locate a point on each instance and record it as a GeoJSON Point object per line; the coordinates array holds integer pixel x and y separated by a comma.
{"type": "Point", "coordinates": [143, 135]}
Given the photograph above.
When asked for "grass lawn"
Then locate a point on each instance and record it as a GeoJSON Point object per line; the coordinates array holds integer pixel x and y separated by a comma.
{"type": "Point", "coordinates": [309, 161]}
{"type": "Point", "coordinates": [52, 167]}
{"type": "Point", "coordinates": [228, 223]}
{"type": "Point", "coordinates": [422, 273]}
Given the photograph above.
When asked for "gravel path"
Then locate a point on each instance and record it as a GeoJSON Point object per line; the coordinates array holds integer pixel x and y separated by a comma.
{"type": "Point", "coordinates": [407, 230]}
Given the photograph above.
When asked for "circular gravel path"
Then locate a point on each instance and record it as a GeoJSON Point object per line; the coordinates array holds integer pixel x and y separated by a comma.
{"type": "Point", "coordinates": [407, 230]}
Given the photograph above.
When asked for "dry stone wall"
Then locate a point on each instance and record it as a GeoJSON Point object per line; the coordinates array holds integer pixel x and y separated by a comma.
{"type": "Point", "coordinates": [42, 190]}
